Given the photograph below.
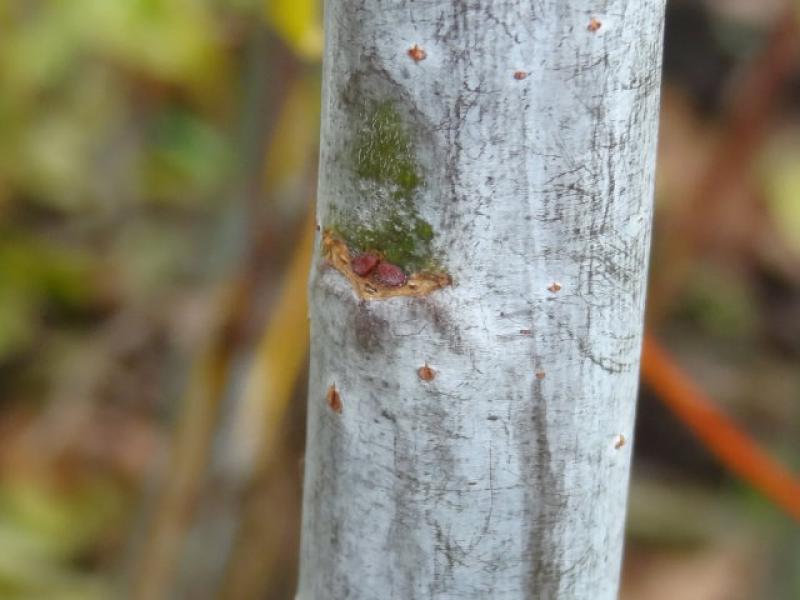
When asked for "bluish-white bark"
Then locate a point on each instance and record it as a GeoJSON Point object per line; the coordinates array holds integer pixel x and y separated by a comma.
{"type": "Point", "coordinates": [469, 435]}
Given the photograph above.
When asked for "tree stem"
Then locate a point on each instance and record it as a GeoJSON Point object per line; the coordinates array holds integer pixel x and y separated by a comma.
{"type": "Point", "coordinates": [477, 444]}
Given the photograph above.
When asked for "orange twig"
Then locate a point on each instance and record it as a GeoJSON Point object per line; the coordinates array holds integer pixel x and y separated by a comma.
{"type": "Point", "coordinates": [731, 445]}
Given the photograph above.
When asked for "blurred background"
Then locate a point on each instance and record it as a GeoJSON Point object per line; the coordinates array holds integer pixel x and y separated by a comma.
{"type": "Point", "coordinates": [157, 175]}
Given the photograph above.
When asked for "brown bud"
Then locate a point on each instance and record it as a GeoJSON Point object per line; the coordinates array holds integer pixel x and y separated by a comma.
{"type": "Point", "coordinates": [363, 264]}
{"type": "Point", "coordinates": [389, 274]}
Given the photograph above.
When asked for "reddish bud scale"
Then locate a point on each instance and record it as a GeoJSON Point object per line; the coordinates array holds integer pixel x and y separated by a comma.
{"type": "Point", "coordinates": [389, 274]}
{"type": "Point", "coordinates": [363, 264]}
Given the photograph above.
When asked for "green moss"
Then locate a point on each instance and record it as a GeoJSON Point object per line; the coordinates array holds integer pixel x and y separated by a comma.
{"type": "Point", "coordinates": [383, 151]}
{"type": "Point", "coordinates": [385, 218]}
{"type": "Point", "coordinates": [392, 238]}
{"type": "Point", "coordinates": [423, 230]}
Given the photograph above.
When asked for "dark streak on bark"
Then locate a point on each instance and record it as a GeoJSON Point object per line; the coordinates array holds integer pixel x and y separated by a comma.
{"type": "Point", "coordinates": [371, 331]}
{"type": "Point", "coordinates": [544, 542]}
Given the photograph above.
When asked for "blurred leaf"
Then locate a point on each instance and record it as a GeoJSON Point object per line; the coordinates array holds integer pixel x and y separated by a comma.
{"type": "Point", "coordinates": [55, 159]}
{"type": "Point", "coordinates": [49, 270]}
{"type": "Point", "coordinates": [44, 528]}
{"type": "Point", "coordinates": [176, 40]}
{"type": "Point", "coordinates": [35, 275]}
{"type": "Point", "coordinates": [17, 320]}
{"type": "Point", "coordinates": [150, 256]}
{"type": "Point", "coordinates": [298, 23]}
{"type": "Point", "coordinates": [719, 301]}
{"type": "Point", "coordinates": [66, 519]}
{"type": "Point", "coordinates": [782, 179]}
{"type": "Point", "coordinates": [189, 158]}
{"type": "Point", "coordinates": [39, 47]}
{"type": "Point", "coordinates": [66, 105]}
{"type": "Point", "coordinates": [25, 577]}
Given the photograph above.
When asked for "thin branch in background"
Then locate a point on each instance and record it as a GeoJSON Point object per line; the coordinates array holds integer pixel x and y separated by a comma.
{"type": "Point", "coordinates": [279, 361]}
{"type": "Point", "coordinates": [735, 449]}
{"type": "Point", "coordinates": [193, 436]}
{"type": "Point", "coordinates": [747, 125]}
{"type": "Point", "coordinates": [157, 558]}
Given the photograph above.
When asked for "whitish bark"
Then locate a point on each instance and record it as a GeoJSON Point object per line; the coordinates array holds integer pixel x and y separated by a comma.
{"type": "Point", "coordinates": [509, 159]}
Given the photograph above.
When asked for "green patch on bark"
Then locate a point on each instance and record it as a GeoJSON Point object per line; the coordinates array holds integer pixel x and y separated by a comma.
{"type": "Point", "coordinates": [383, 151]}
{"type": "Point", "coordinates": [401, 240]}
{"type": "Point", "coordinates": [384, 218]}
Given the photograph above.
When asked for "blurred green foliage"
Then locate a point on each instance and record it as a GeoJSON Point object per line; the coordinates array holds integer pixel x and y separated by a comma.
{"type": "Point", "coordinates": [37, 278]}
{"type": "Point", "coordinates": [107, 108]}
{"type": "Point", "coordinates": [119, 163]}
{"type": "Point", "coordinates": [85, 81]}
{"type": "Point", "coordinates": [42, 529]}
